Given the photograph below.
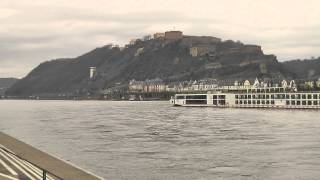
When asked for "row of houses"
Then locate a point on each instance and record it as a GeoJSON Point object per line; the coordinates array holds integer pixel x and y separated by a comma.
{"type": "Point", "coordinates": [264, 84]}
{"type": "Point", "coordinates": [158, 85]}
{"type": "Point", "coordinates": [312, 84]}
{"type": "Point", "coordinates": [152, 85]}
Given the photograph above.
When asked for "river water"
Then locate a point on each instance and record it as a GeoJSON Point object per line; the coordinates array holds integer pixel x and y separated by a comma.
{"type": "Point", "coordinates": [155, 141]}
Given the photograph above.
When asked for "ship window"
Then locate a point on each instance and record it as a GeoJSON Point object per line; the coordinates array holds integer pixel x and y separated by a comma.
{"type": "Point", "coordinates": [298, 96]}
{"type": "Point", "coordinates": [180, 97]}
{"type": "Point", "coordinates": [249, 102]}
{"type": "Point", "coordinates": [263, 102]}
{"type": "Point", "coordinates": [268, 102]}
{"type": "Point", "coordinates": [258, 102]}
{"type": "Point", "coordinates": [287, 96]}
{"type": "Point", "coordinates": [263, 96]}
{"type": "Point", "coordinates": [309, 96]}
{"type": "Point", "coordinates": [222, 102]}
{"type": "Point", "coordinates": [293, 103]}
{"type": "Point", "coordinates": [245, 96]}
{"type": "Point", "coordinates": [298, 102]}
{"type": "Point", "coordinates": [292, 96]}
{"type": "Point", "coordinates": [236, 96]}
{"type": "Point", "coordinates": [310, 102]}
{"type": "Point", "coordinates": [249, 96]}
{"type": "Point", "coordinates": [287, 102]}
{"type": "Point", "coordinates": [240, 102]}
{"type": "Point", "coordinates": [196, 101]}
{"type": "Point", "coordinates": [272, 96]}
{"type": "Point", "coordinates": [215, 96]}
{"type": "Point", "coordinates": [215, 102]}
{"type": "Point", "coordinates": [304, 103]}
{"type": "Point", "coordinates": [197, 97]}
{"type": "Point", "coordinates": [253, 102]}
{"type": "Point", "coordinates": [268, 96]}
{"type": "Point", "coordinates": [237, 102]}
{"type": "Point", "coordinates": [222, 96]}
{"type": "Point", "coordinates": [315, 102]}
{"type": "Point", "coordinates": [315, 96]}
{"type": "Point", "coordinates": [303, 96]}
{"type": "Point", "coordinates": [245, 102]}
{"type": "Point", "coordinates": [272, 101]}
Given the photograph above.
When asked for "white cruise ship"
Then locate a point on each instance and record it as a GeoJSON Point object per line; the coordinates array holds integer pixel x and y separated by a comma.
{"type": "Point", "coordinates": [251, 97]}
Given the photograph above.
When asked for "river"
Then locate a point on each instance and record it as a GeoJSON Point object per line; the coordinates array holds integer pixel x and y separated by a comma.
{"type": "Point", "coordinates": [156, 141]}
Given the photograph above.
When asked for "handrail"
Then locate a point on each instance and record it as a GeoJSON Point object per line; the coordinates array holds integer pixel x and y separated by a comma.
{"type": "Point", "coordinates": [45, 172]}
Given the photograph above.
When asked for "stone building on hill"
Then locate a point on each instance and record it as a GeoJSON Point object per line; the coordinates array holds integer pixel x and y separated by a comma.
{"type": "Point", "coordinates": [173, 35]}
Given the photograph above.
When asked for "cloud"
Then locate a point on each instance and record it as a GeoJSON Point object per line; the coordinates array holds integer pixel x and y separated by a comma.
{"type": "Point", "coordinates": [35, 31]}
{"type": "Point", "coordinates": [5, 13]}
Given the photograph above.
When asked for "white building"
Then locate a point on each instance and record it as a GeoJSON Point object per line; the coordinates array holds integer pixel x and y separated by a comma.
{"type": "Point", "coordinates": [284, 84]}
{"type": "Point", "coordinates": [246, 83]}
{"type": "Point", "coordinates": [93, 72]}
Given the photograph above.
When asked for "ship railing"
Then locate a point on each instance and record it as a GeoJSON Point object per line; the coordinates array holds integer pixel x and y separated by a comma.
{"type": "Point", "coordinates": [43, 173]}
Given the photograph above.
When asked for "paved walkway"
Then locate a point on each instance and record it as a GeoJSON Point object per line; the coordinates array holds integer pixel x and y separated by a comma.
{"type": "Point", "coordinates": [15, 158]}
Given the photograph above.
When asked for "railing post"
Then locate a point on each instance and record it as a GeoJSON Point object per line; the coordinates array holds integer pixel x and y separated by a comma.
{"type": "Point", "coordinates": [44, 175]}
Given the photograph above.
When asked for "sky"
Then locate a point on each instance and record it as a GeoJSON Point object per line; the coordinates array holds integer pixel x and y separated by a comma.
{"type": "Point", "coordinates": [34, 31]}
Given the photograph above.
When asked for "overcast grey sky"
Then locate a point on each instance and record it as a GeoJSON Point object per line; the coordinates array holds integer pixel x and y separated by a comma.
{"type": "Point", "coordinates": [33, 31]}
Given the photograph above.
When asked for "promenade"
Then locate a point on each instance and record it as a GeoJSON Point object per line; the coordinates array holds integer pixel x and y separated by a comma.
{"type": "Point", "coordinates": [20, 161]}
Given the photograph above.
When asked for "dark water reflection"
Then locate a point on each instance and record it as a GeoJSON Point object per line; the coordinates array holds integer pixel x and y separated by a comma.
{"type": "Point", "coordinates": [152, 140]}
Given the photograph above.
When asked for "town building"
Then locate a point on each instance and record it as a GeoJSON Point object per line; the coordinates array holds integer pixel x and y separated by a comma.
{"type": "Point", "coordinates": [247, 83]}
{"type": "Point", "coordinates": [147, 86]}
{"type": "Point", "coordinates": [309, 84]}
{"type": "Point", "coordinates": [136, 86]}
{"type": "Point", "coordinates": [318, 83]}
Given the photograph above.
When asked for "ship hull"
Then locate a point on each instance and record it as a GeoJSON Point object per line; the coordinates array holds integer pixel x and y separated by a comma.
{"type": "Point", "coordinates": [279, 100]}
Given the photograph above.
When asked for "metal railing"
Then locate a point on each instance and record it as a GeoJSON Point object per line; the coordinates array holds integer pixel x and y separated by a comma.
{"type": "Point", "coordinates": [45, 173]}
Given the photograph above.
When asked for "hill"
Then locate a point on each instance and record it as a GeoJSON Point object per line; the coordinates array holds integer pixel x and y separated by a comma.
{"type": "Point", "coordinates": [6, 83]}
{"type": "Point", "coordinates": [185, 58]}
{"type": "Point", "coordinates": [307, 69]}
